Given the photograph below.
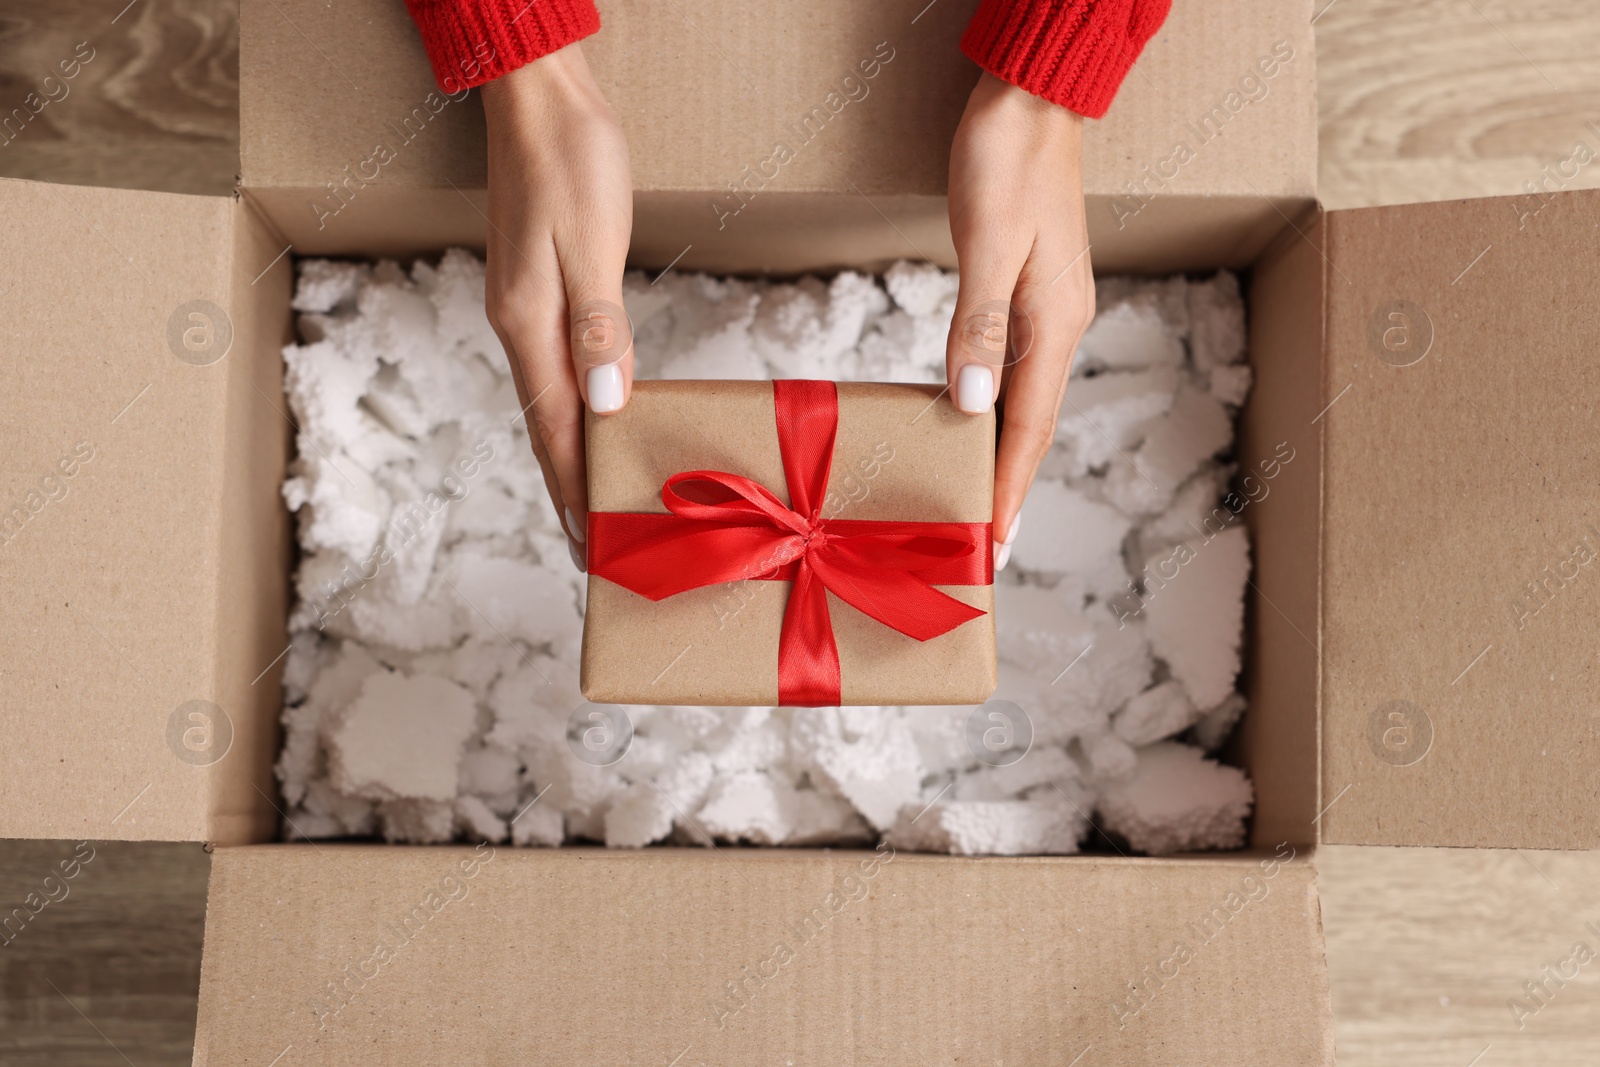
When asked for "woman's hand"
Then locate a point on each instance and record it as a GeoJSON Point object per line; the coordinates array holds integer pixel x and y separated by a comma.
{"type": "Point", "coordinates": [560, 216]}
{"type": "Point", "coordinates": [1027, 292]}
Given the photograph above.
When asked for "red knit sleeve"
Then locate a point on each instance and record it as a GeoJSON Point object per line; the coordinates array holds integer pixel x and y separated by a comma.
{"type": "Point", "coordinates": [1071, 52]}
{"type": "Point", "coordinates": [474, 41]}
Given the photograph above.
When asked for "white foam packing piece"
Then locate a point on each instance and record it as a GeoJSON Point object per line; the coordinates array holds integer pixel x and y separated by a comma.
{"type": "Point", "coordinates": [401, 738]}
{"type": "Point", "coordinates": [1044, 765]}
{"type": "Point", "coordinates": [538, 825]}
{"type": "Point", "coordinates": [638, 816]}
{"type": "Point", "coordinates": [432, 671]}
{"type": "Point", "coordinates": [1129, 334]}
{"type": "Point", "coordinates": [1109, 757]}
{"type": "Point", "coordinates": [1167, 297]}
{"type": "Point", "coordinates": [1230, 383]}
{"type": "Point", "coordinates": [1048, 825]}
{"type": "Point", "coordinates": [710, 337]}
{"type": "Point", "coordinates": [1065, 531]}
{"type": "Point", "coordinates": [865, 755]}
{"type": "Point", "coordinates": [348, 815]}
{"type": "Point", "coordinates": [749, 806]}
{"type": "Point", "coordinates": [509, 598]}
{"type": "Point", "coordinates": [1195, 620]}
{"type": "Point", "coordinates": [1216, 322]}
{"type": "Point", "coordinates": [422, 822]}
{"type": "Point", "coordinates": [760, 809]}
{"type": "Point", "coordinates": [824, 819]}
{"type": "Point", "coordinates": [1037, 629]}
{"type": "Point", "coordinates": [1196, 511]}
{"type": "Point", "coordinates": [1077, 668]}
{"type": "Point", "coordinates": [489, 771]}
{"type": "Point", "coordinates": [478, 822]}
{"type": "Point", "coordinates": [1196, 427]}
{"type": "Point", "coordinates": [347, 508]}
{"type": "Point", "coordinates": [335, 686]}
{"type": "Point", "coordinates": [1177, 800]}
{"type": "Point", "coordinates": [1215, 725]}
{"type": "Point", "coordinates": [1158, 712]}
{"type": "Point", "coordinates": [1103, 416]}
{"type": "Point", "coordinates": [919, 288]}
{"type": "Point", "coordinates": [323, 284]}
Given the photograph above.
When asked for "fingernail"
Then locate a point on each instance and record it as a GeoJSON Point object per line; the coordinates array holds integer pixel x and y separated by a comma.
{"type": "Point", "coordinates": [605, 388]}
{"type": "Point", "coordinates": [577, 560]}
{"type": "Point", "coordinates": [574, 527]}
{"type": "Point", "coordinates": [1002, 549]}
{"type": "Point", "coordinates": [974, 389]}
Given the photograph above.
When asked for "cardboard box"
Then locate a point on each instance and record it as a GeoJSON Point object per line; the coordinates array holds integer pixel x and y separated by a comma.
{"type": "Point", "coordinates": [1419, 661]}
{"type": "Point", "coordinates": [899, 453]}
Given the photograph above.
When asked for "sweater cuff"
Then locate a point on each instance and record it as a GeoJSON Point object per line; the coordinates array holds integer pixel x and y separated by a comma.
{"type": "Point", "coordinates": [471, 42]}
{"type": "Point", "coordinates": [1074, 53]}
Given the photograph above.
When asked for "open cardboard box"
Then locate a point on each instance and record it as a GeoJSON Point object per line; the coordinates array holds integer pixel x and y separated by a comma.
{"type": "Point", "coordinates": [1419, 668]}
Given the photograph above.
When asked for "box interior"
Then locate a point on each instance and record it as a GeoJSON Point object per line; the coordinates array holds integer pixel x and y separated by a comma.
{"type": "Point", "coordinates": [232, 801]}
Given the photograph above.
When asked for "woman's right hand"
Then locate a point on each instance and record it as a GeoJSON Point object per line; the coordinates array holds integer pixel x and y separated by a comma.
{"type": "Point", "coordinates": [560, 218]}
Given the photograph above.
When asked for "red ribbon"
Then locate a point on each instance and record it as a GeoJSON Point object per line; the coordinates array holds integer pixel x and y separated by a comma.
{"type": "Point", "coordinates": [726, 528]}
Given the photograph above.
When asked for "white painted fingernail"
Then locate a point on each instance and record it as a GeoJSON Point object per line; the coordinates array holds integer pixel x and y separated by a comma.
{"type": "Point", "coordinates": [574, 527]}
{"type": "Point", "coordinates": [605, 388]}
{"type": "Point", "coordinates": [975, 389]}
{"type": "Point", "coordinates": [1002, 549]}
{"type": "Point", "coordinates": [577, 560]}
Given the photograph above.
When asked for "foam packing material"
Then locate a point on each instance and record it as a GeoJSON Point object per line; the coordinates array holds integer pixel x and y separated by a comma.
{"type": "Point", "coordinates": [431, 688]}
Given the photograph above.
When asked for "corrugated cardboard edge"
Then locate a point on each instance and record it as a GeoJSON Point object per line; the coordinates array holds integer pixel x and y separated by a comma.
{"type": "Point", "coordinates": [1314, 892]}
{"type": "Point", "coordinates": [253, 561]}
{"type": "Point", "coordinates": [1280, 738]}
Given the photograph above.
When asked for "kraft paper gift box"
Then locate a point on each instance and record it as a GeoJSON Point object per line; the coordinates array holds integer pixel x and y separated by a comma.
{"type": "Point", "coordinates": [852, 517]}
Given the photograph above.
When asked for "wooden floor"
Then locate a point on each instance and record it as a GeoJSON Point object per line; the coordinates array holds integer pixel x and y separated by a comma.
{"type": "Point", "coordinates": [1439, 99]}
{"type": "Point", "coordinates": [107, 973]}
{"type": "Point", "coordinates": [1420, 100]}
{"type": "Point", "coordinates": [156, 107]}
{"type": "Point", "coordinates": [1428, 947]}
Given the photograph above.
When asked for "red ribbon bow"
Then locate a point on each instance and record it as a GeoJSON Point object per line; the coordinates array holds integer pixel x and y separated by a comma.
{"type": "Point", "coordinates": [726, 528]}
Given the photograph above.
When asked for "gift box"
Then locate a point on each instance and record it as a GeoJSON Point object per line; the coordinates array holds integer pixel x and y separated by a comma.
{"type": "Point", "coordinates": [791, 542]}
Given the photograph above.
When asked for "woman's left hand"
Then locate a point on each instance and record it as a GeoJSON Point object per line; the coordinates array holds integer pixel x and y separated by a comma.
{"type": "Point", "coordinates": [1027, 292]}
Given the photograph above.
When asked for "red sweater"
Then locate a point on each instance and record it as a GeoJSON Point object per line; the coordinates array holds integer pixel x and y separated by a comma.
{"type": "Point", "coordinates": [1071, 52]}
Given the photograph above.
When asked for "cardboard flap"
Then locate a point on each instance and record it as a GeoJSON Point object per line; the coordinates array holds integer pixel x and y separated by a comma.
{"type": "Point", "coordinates": [1462, 534]}
{"type": "Point", "coordinates": [133, 591]}
{"type": "Point", "coordinates": [351, 955]}
{"type": "Point", "coordinates": [751, 152]}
